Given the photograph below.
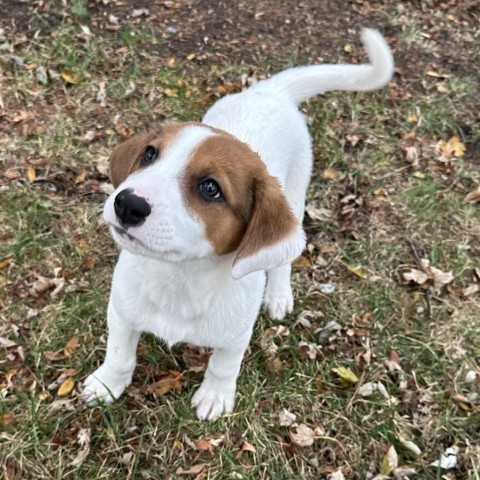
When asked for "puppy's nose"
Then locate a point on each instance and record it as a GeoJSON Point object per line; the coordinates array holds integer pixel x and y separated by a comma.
{"type": "Point", "coordinates": [131, 209]}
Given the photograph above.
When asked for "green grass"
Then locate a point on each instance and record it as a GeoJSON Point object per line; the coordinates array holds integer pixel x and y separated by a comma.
{"type": "Point", "coordinates": [51, 228]}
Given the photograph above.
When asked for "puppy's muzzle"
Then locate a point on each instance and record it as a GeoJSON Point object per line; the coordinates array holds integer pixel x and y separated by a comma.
{"type": "Point", "coordinates": [131, 210]}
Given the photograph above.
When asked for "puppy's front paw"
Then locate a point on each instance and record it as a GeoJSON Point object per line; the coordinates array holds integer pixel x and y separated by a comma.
{"type": "Point", "coordinates": [104, 386]}
{"type": "Point", "coordinates": [212, 399]}
{"type": "Point", "coordinates": [278, 304]}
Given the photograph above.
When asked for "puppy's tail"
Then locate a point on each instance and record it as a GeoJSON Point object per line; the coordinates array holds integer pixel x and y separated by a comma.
{"type": "Point", "coordinates": [301, 83]}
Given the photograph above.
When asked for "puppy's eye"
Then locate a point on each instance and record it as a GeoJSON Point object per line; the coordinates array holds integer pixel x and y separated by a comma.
{"type": "Point", "coordinates": [210, 190]}
{"type": "Point", "coordinates": [149, 156]}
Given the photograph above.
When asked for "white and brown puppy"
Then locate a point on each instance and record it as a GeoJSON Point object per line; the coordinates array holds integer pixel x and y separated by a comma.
{"type": "Point", "coordinates": [208, 216]}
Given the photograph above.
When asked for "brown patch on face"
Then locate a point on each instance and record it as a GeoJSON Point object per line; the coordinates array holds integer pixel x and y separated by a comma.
{"type": "Point", "coordinates": [125, 158]}
{"type": "Point", "coordinates": [253, 213]}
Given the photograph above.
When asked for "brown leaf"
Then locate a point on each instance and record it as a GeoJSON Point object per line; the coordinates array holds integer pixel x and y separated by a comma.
{"type": "Point", "coordinates": [171, 380]}
{"type": "Point", "coordinates": [248, 447]}
{"type": "Point", "coordinates": [5, 263]}
{"type": "Point", "coordinates": [203, 445]}
{"type": "Point", "coordinates": [7, 419]}
{"type": "Point", "coordinates": [66, 387]}
{"type": "Point", "coordinates": [81, 177]}
{"type": "Point", "coordinates": [471, 289]}
{"type": "Point", "coordinates": [195, 470]}
{"type": "Point", "coordinates": [31, 174]}
{"type": "Point", "coordinates": [473, 197]}
{"type": "Point", "coordinates": [54, 356]}
{"type": "Point", "coordinates": [71, 346]}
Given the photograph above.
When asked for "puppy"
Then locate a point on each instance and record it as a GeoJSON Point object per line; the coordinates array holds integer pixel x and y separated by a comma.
{"type": "Point", "coordinates": [208, 218]}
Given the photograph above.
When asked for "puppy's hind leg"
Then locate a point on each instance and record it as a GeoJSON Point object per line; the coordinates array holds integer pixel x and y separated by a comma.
{"type": "Point", "coordinates": [278, 299]}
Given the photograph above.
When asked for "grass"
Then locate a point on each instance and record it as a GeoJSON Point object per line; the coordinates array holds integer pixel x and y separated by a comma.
{"type": "Point", "coordinates": [50, 228]}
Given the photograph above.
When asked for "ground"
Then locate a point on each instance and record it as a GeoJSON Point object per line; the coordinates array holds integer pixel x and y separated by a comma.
{"type": "Point", "coordinates": [376, 372]}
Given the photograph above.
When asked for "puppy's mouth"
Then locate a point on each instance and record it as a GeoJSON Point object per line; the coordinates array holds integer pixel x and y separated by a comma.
{"type": "Point", "coordinates": [145, 250]}
{"type": "Point", "coordinates": [124, 234]}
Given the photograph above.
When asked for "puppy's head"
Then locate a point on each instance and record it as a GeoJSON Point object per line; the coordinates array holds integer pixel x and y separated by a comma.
{"type": "Point", "coordinates": [191, 191]}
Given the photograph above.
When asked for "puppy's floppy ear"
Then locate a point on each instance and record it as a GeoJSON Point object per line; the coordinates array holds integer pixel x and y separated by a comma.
{"type": "Point", "coordinates": [273, 236]}
{"type": "Point", "coordinates": [125, 158]}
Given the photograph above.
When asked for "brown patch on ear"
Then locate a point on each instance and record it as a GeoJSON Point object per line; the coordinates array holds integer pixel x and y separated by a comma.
{"type": "Point", "coordinates": [254, 212]}
{"type": "Point", "coordinates": [125, 158]}
{"type": "Point", "coordinates": [272, 219]}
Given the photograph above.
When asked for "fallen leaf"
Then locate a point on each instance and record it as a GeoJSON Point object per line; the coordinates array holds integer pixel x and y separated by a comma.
{"type": "Point", "coordinates": [331, 174]}
{"type": "Point", "coordinates": [452, 147]}
{"type": "Point", "coordinates": [7, 418]}
{"type": "Point", "coordinates": [171, 380]}
{"type": "Point", "coordinates": [367, 389]}
{"type": "Point", "coordinates": [248, 447]}
{"type": "Point", "coordinates": [66, 387]}
{"type": "Point", "coordinates": [410, 446]}
{"type": "Point", "coordinates": [389, 462]}
{"type": "Point", "coordinates": [5, 263]}
{"type": "Point", "coordinates": [302, 435]}
{"type": "Point", "coordinates": [347, 377]}
{"type": "Point", "coordinates": [81, 177]}
{"type": "Point", "coordinates": [321, 214]}
{"type": "Point", "coordinates": [203, 445]}
{"type": "Point", "coordinates": [448, 459]}
{"type": "Point", "coordinates": [471, 289]}
{"type": "Point", "coordinates": [286, 418]}
{"type": "Point", "coordinates": [473, 197]}
{"type": "Point", "coordinates": [31, 174]}
{"type": "Point", "coordinates": [71, 346]}
{"type": "Point", "coordinates": [195, 470]}
{"type": "Point", "coordinates": [169, 92]}
{"type": "Point", "coordinates": [358, 271]}
{"type": "Point", "coordinates": [415, 276]}
{"type": "Point", "coordinates": [69, 76]}
{"type": "Point", "coordinates": [463, 402]}
{"type": "Point", "coordinates": [336, 475]}
{"type": "Point", "coordinates": [83, 439]}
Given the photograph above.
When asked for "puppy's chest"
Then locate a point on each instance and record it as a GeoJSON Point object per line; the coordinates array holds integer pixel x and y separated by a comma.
{"type": "Point", "coordinates": [179, 307]}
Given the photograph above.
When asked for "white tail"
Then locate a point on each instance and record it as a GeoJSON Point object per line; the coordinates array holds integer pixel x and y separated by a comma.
{"type": "Point", "coordinates": [301, 83]}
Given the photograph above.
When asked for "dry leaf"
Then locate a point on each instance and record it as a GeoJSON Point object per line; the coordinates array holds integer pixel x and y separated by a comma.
{"type": "Point", "coordinates": [331, 174]}
{"type": "Point", "coordinates": [169, 92]}
{"type": "Point", "coordinates": [358, 271]}
{"type": "Point", "coordinates": [389, 462]}
{"type": "Point", "coordinates": [448, 459]}
{"type": "Point", "coordinates": [471, 289]}
{"type": "Point", "coordinates": [203, 445]}
{"type": "Point", "coordinates": [415, 276]}
{"type": "Point", "coordinates": [69, 76]}
{"type": "Point", "coordinates": [5, 263]}
{"type": "Point", "coordinates": [248, 447]}
{"type": "Point", "coordinates": [473, 197]}
{"type": "Point", "coordinates": [7, 419]}
{"type": "Point", "coordinates": [347, 377]}
{"type": "Point", "coordinates": [410, 446]}
{"type": "Point", "coordinates": [66, 387]}
{"type": "Point", "coordinates": [453, 147]}
{"type": "Point", "coordinates": [302, 435]}
{"type": "Point", "coordinates": [286, 418]}
{"type": "Point", "coordinates": [31, 174]}
{"type": "Point", "coordinates": [321, 214]}
{"type": "Point", "coordinates": [412, 157]}
{"type": "Point", "coordinates": [336, 475]}
{"type": "Point", "coordinates": [71, 346]}
{"type": "Point", "coordinates": [171, 380]}
{"type": "Point", "coordinates": [83, 439]}
{"type": "Point", "coordinates": [81, 177]}
{"type": "Point", "coordinates": [195, 470]}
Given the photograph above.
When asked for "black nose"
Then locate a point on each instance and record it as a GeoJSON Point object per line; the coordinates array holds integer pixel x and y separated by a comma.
{"type": "Point", "coordinates": [131, 209]}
